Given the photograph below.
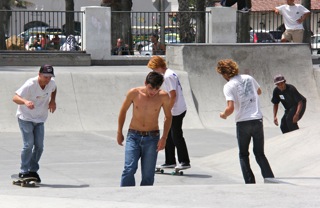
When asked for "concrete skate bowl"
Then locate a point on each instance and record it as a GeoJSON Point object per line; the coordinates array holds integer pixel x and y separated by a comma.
{"type": "Point", "coordinates": [262, 61]}
{"type": "Point", "coordinates": [293, 158]}
{"type": "Point", "coordinates": [86, 101]}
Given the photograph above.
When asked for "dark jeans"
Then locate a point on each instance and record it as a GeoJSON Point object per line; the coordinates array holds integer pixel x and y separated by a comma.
{"type": "Point", "coordinates": [287, 124]}
{"type": "Point", "coordinates": [246, 130]}
{"type": "Point", "coordinates": [240, 3]}
{"type": "Point", "coordinates": [176, 140]}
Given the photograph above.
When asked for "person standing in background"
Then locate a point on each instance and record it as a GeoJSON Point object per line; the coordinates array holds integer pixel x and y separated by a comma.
{"type": "Point", "coordinates": [293, 17]}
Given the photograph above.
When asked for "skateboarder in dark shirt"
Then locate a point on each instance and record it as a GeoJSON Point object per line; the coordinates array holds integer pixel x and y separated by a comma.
{"type": "Point", "coordinates": [293, 102]}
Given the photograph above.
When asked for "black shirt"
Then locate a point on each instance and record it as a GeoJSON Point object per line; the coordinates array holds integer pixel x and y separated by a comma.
{"type": "Point", "coordinates": [289, 98]}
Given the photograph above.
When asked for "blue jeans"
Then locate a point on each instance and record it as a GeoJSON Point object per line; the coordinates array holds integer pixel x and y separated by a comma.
{"type": "Point", "coordinates": [246, 130]}
{"type": "Point", "coordinates": [33, 136]}
{"type": "Point", "coordinates": [144, 147]}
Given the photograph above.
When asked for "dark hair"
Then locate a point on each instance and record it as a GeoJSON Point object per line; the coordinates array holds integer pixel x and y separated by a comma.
{"type": "Point", "coordinates": [155, 35]}
{"type": "Point", "coordinates": [155, 79]}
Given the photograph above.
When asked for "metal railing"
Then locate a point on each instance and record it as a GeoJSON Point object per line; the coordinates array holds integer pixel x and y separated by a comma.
{"type": "Point", "coordinates": [172, 27]}
{"type": "Point", "coordinates": [21, 28]}
{"type": "Point", "coordinates": [269, 22]}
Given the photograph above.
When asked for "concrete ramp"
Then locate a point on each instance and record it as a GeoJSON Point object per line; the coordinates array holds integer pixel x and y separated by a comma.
{"type": "Point", "coordinates": [293, 157]}
{"type": "Point", "coordinates": [262, 61]}
{"type": "Point", "coordinates": [87, 100]}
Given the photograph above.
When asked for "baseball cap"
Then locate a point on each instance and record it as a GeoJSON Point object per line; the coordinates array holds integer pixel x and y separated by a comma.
{"type": "Point", "coordinates": [46, 70]}
{"type": "Point", "coordinates": [278, 78]}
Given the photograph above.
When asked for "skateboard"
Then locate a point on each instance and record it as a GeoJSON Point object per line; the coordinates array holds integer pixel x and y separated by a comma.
{"type": "Point", "coordinates": [176, 171]}
{"type": "Point", "coordinates": [24, 182]}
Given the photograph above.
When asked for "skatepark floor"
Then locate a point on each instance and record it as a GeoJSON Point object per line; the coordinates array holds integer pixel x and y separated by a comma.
{"type": "Point", "coordinates": [83, 169]}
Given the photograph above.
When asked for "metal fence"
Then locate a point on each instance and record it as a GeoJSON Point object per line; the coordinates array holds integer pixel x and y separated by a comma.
{"type": "Point", "coordinates": [22, 27]}
{"type": "Point", "coordinates": [172, 27]}
{"type": "Point", "coordinates": [269, 22]}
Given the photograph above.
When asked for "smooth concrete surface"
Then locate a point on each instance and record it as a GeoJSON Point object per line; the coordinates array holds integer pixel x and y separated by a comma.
{"type": "Point", "coordinates": [82, 163]}
{"type": "Point", "coordinates": [262, 61]}
{"type": "Point", "coordinates": [222, 24]}
{"type": "Point", "coordinates": [97, 32]}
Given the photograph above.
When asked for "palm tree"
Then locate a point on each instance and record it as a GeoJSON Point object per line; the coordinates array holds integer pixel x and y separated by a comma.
{"type": "Point", "coordinates": [69, 26]}
{"type": "Point", "coordinates": [5, 16]}
{"type": "Point", "coordinates": [121, 21]}
{"type": "Point", "coordinates": [4, 19]}
{"type": "Point", "coordinates": [183, 19]}
{"type": "Point", "coordinates": [200, 21]}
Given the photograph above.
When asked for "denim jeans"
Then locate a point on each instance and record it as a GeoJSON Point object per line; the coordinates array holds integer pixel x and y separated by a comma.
{"type": "Point", "coordinates": [176, 140]}
{"type": "Point", "coordinates": [246, 130]}
{"type": "Point", "coordinates": [144, 147]}
{"type": "Point", "coordinates": [33, 136]}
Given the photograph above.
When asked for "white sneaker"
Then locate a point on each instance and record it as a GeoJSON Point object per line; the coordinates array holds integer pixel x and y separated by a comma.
{"type": "Point", "coordinates": [183, 166]}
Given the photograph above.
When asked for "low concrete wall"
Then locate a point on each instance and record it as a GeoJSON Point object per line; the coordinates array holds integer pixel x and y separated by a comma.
{"type": "Point", "coordinates": [40, 58]}
{"type": "Point", "coordinates": [262, 61]}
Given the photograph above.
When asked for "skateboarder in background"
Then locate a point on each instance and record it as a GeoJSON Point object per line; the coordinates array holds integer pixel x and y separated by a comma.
{"type": "Point", "coordinates": [242, 5]}
{"type": "Point", "coordinates": [143, 134]}
{"type": "Point", "coordinates": [242, 95]}
{"type": "Point", "coordinates": [293, 102]}
{"type": "Point", "coordinates": [34, 98]}
{"type": "Point", "coordinates": [178, 109]}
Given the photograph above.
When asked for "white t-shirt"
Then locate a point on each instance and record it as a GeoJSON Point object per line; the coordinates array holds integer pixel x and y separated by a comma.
{"type": "Point", "coordinates": [32, 91]}
{"type": "Point", "coordinates": [171, 82]}
{"type": "Point", "coordinates": [291, 14]}
{"type": "Point", "coordinates": [242, 90]}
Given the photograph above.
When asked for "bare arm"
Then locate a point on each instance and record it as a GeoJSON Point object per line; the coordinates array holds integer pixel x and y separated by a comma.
{"type": "Point", "coordinates": [228, 111]}
{"type": "Point", "coordinates": [276, 11]}
{"type": "Point", "coordinates": [52, 103]}
{"type": "Point", "coordinates": [296, 115]}
{"type": "Point", "coordinates": [122, 116]}
{"type": "Point", "coordinates": [21, 101]}
{"type": "Point", "coordinates": [275, 111]}
{"type": "Point", "coordinates": [167, 123]}
{"type": "Point", "coordinates": [303, 17]}
{"type": "Point", "coordinates": [173, 96]}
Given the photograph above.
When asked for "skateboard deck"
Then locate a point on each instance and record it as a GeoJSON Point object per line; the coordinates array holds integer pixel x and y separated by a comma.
{"type": "Point", "coordinates": [24, 182]}
{"type": "Point", "coordinates": [176, 171]}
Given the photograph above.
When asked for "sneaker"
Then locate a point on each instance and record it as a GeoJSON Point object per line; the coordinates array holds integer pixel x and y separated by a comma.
{"type": "Point", "coordinates": [24, 175]}
{"type": "Point", "coordinates": [183, 166]}
{"type": "Point", "coordinates": [35, 175]}
{"type": "Point", "coordinates": [167, 165]}
{"type": "Point", "coordinates": [245, 10]}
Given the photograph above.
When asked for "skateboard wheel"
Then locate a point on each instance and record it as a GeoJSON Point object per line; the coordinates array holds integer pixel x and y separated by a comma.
{"type": "Point", "coordinates": [162, 171]}
{"type": "Point", "coordinates": [181, 173]}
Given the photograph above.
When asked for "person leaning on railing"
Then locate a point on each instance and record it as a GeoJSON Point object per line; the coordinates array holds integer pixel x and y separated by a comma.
{"type": "Point", "coordinates": [293, 17]}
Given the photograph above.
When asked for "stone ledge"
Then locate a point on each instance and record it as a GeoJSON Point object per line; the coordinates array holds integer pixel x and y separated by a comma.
{"type": "Point", "coordinates": [40, 58]}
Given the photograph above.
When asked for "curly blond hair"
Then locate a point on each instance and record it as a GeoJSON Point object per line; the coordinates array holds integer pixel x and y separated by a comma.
{"type": "Point", "coordinates": [227, 67]}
